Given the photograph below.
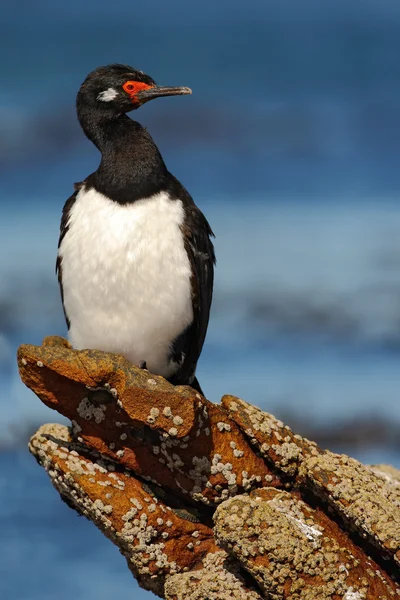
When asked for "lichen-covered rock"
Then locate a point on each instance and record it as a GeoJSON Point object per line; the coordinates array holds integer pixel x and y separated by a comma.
{"type": "Point", "coordinates": [218, 580]}
{"type": "Point", "coordinates": [151, 465]}
{"type": "Point", "coordinates": [388, 474]}
{"type": "Point", "coordinates": [185, 442]}
{"type": "Point", "coordinates": [274, 440]}
{"type": "Point", "coordinates": [359, 497]}
{"type": "Point", "coordinates": [294, 551]}
{"type": "Point", "coordinates": [156, 539]}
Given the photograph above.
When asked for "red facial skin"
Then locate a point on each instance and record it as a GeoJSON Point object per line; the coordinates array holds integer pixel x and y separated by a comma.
{"type": "Point", "coordinates": [133, 87]}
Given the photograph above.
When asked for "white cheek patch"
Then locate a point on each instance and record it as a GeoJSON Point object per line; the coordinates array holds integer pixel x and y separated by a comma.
{"type": "Point", "coordinates": [108, 95]}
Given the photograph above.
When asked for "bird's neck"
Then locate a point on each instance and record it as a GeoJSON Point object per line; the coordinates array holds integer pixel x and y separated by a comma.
{"type": "Point", "coordinates": [131, 165]}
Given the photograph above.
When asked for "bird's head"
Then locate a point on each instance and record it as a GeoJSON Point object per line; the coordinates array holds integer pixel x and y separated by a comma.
{"type": "Point", "coordinates": [120, 89]}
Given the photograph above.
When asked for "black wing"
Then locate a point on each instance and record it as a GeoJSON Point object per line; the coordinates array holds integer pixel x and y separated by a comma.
{"type": "Point", "coordinates": [197, 233]}
{"type": "Point", "coordinates": [63, 230]}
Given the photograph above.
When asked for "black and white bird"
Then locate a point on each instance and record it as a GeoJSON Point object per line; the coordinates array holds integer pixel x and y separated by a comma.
{"type": "Point", "coordinates": [135, 260]}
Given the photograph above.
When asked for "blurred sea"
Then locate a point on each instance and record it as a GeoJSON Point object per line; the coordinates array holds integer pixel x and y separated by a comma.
{"type": "Point", "coordinates": [290, 146]}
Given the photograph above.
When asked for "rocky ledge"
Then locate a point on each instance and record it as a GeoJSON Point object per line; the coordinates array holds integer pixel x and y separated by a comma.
{"type": "Point", "coordinates": [211, 501]}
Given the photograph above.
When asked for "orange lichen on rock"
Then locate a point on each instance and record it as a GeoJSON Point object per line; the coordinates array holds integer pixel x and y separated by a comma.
{"type": "Point", "coordinates": [156, 539]}
{"type": "Point", "coordinates": [274, 440]}
{"type": "Point", "coordinates": [187, 443]}
{"type": "Point", "coordinates": [151, 465]}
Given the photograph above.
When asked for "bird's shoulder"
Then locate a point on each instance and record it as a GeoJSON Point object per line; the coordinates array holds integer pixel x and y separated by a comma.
{"type": "Point", "coordinates": [63, 230]}
{"type": "Point", "coordinates": [67, 210]}
{"type": "Point", "coordinates": [195, 228]}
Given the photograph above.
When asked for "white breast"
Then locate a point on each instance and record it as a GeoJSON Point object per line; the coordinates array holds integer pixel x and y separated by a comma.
{"type": "Point", "coordinates": [126, 277]}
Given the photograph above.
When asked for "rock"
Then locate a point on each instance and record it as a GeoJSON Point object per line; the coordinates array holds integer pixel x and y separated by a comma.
{"type": "Point", "coordinates": [156, 540]}
{"type": "Point", "coordinates": [187, 443]}
{"type": "Point", "coordinates": [388, 473]}
{"type": "Point", "coordinates": [274, 440]}
{"type": "Point", "coordinates": [360, 499]}
{"type": "Point", "coordinates": [295, 551]}
{"type": "Point", "coordinates": [211, 501]}
{"type": "Point", "coordinates": [218, 580]}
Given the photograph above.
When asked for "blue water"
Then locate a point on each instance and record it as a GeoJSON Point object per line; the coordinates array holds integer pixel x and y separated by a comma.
{"type": "Point", "coordinates": [290, 145]}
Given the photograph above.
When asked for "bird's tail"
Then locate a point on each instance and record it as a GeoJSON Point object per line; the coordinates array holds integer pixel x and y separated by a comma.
{"type": "Point", "coordinates": [196, 386]}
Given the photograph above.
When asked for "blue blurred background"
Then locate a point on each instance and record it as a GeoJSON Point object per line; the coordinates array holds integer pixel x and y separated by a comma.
{"type": "Point", "coordinates": [290, 145]}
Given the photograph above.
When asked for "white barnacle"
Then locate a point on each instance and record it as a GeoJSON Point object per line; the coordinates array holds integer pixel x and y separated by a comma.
{"type": "Point", "coordinates": [177, 420]}
{"type": "Point", "coordinates": [107, 95]}
{"type": "Point", "coordinates": [100, 468]}
{"type": "Point", "coordinates": [173, 431]}
{"type": "Point", "coordinates": [154, 413]}
{"type": "Point", "coordinates": [167, 412]}
{"type": "Point", "coordinates": [223, 426]}
{"type": "Point", "coordinates": [351, 594]}
{"type": "Point", "coordinates": [216, 459]}
{"type": "Point", "coordinates": [39, 363]}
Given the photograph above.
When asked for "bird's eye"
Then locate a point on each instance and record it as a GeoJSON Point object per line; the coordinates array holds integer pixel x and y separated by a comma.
{"type": "Point", "coordinates": [129, 86]}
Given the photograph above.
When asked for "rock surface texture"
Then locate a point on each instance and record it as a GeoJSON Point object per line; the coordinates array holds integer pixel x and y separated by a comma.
{"type": "Point", "coordinates": [207, 501]}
